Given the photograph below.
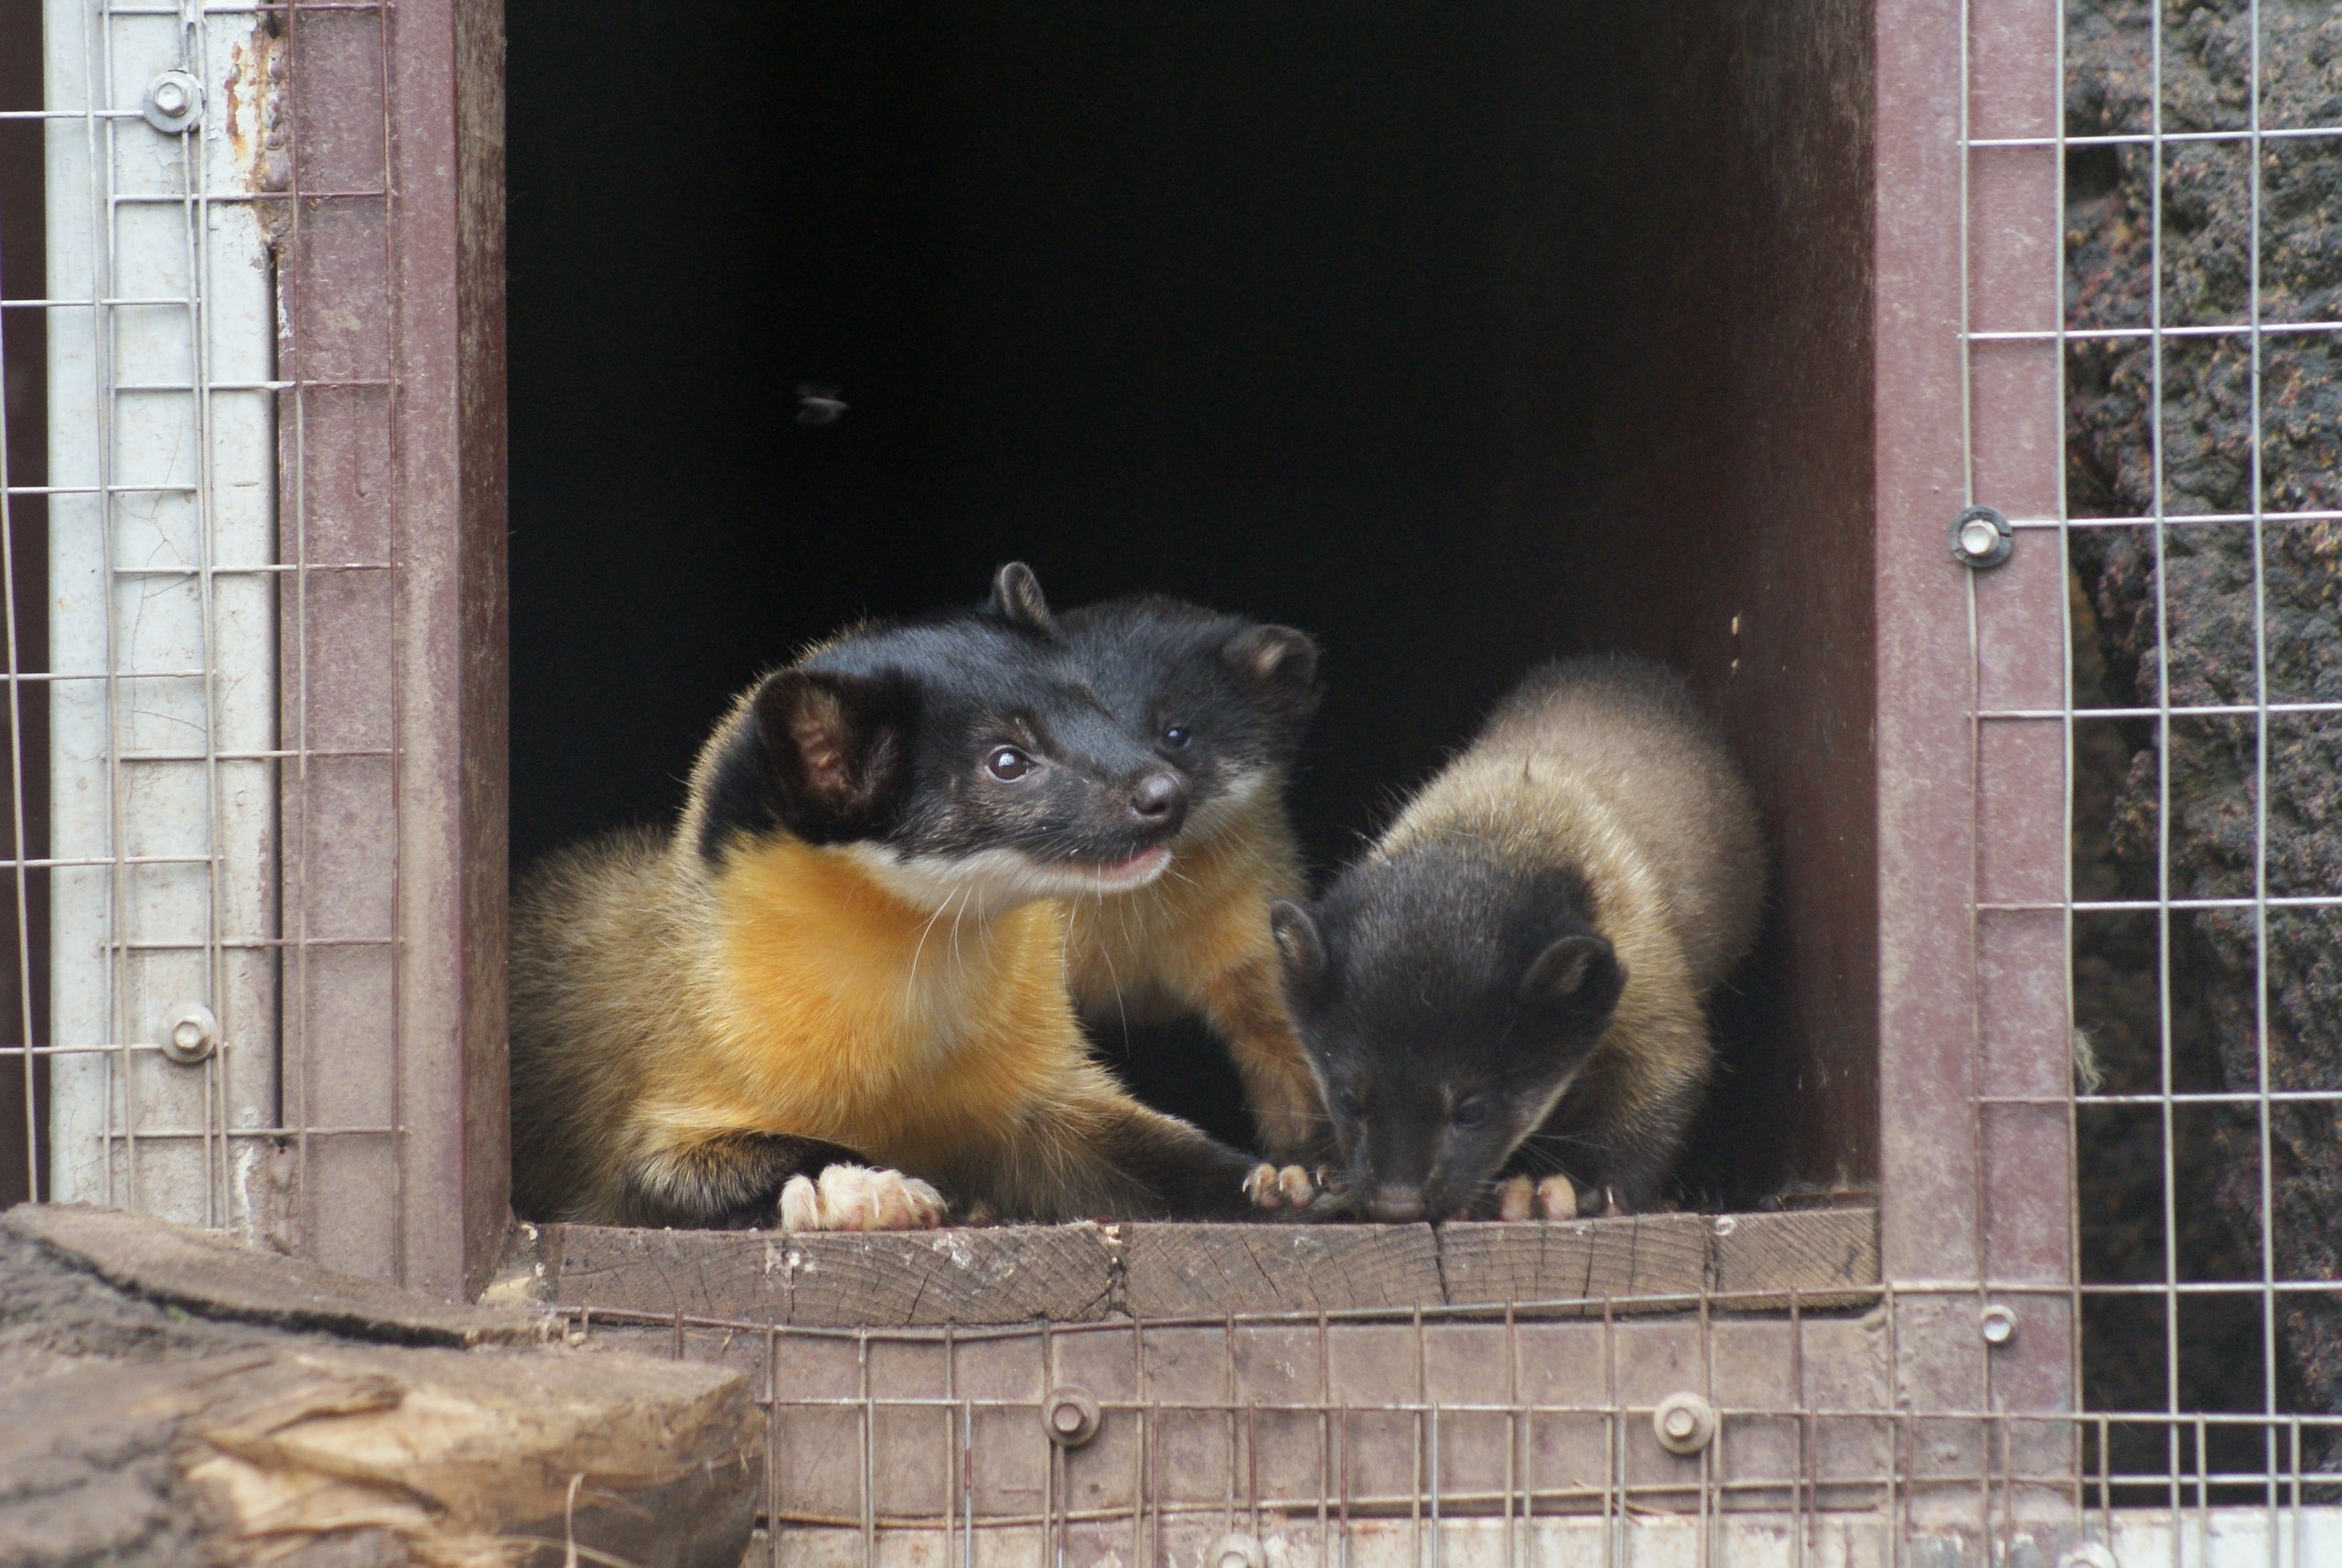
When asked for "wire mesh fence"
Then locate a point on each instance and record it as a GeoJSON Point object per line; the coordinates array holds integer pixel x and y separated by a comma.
{"type": "Point", "coordinates": [203, 863]}
{"type": "Point", "coordinates": [1555, 1432]}
{"type": "Point", "coordinates": [209, 482]}
{"type": "Point", "coordinates": [2201, 296]}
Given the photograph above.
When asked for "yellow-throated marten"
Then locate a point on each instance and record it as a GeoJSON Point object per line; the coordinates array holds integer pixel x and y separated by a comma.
{"type": "Point", "coordinates": [850, 954]}
{"type": "Point", "coordinates": [1509, 984]}
{"type": "Point", "coordinates": [1225, 701]}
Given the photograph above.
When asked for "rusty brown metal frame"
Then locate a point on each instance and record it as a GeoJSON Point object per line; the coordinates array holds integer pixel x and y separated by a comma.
{"type": "Point", "coordinates": [1957, 1157]}
{"type": "Point", "coordinates": [394, 656]}
{"type": "Point", "coordinates": [1975, 1205]}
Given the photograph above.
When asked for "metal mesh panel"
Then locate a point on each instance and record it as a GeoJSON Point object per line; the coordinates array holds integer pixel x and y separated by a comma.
{"type": "Point", "coordinates": [1532, 1436]}
{"type": "Point", "coordinates": [2176, 328]}
{"type": "Point", "coordinates": [155, 688]}
{"type": "Point", "coordinates": [201, 658]}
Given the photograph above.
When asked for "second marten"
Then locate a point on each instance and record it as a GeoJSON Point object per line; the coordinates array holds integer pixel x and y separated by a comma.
{"type": "Point", "coordinates": [838, 986]}
{"type": "Point", "coordinates": [1503, 998]}
{"type": "Point", "coordinates": [1225, 701]}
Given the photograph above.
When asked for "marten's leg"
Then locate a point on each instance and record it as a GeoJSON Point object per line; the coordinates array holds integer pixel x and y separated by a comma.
{"type": "Point", "coordinates": [740, 1180]}
{"type": "Point", "coordinates": [1245, 1006]}
{"type": "Point", "coordinates": [1093, 1153]}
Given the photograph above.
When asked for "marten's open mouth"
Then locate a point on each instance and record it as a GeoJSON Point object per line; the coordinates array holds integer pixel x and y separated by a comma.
{"type": "Point", "coordinates": [1131, 871]}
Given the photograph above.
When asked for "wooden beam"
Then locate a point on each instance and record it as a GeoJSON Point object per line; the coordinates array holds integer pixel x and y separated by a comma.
{"type": "Point", "coordinates": [1204, 1270]}
{"type": "Point", "coordinates": [1009, 1274]}
{"type": "Point", "coordinates": [1641, 1255]}
{"type": "Point", "coordinates": [1830, 1256]}
{"type": "Point", "coordinates": [1089, 1274]}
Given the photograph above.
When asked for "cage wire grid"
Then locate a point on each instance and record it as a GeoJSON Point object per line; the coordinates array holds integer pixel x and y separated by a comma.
{"type": "Point", "coordinates": [221, 1001]}
{"type": "Point", "coordinates": [1460, 1436]}
{"type": "Point", "coordinates": [2183, 1272]}
{"type": "Point", "coordinates": [194, 383]}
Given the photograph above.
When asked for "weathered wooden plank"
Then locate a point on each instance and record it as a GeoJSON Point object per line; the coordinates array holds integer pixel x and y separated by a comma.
{"type": "Point", "coordinates": [1078, 1273]}
{"type": "Point", "coordinates": [215, 1277]}
{"type": "Point", "coordinates": [1829, 1256]}
{"type": "Point", "coordinates": [1189, 1270]}
{"type": "Point", "coordinates": [1571, 1259]}
{"type": "Point", "coordinates": [1011, 1274]}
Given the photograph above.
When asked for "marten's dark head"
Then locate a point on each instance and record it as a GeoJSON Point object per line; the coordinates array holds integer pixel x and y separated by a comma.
{"type": "Point", "coordinates": [1220, 698]}
{"type": "Point", "coordinates": [1447, 1000]}
{"type": "Point", "coordinates": [964, 756]}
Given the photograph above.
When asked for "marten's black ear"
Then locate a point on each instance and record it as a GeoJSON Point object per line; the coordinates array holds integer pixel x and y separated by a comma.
{"type": "Point", "coordinates": [1301, 950]}
{"type": "Point", "coordinates": [837, 751]}
{"type": "Point", "coordinates": [1578, 975]}
{"type": "Point", "coordinates": [1276, 656]}
{"type": "Point", "coordinates": [1016, 595]}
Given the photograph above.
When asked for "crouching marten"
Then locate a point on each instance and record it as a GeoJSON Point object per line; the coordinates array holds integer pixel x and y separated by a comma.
{"type": "Point", "coordinates": [1509, 984]}
{"type": "Point", "coordinates": [850, 954]}
{"type": "Point", "coordinates": [1224, 700]}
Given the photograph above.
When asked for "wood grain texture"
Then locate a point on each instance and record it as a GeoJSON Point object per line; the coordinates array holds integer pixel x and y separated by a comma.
{"type": "Point", "coordinates": [194, 1428]}
{"type": "Point", "coordinates": [214, 1277]}
{"type": "Point", "coordinates": [1086, 1273]}
{"type": "Point", "coordinates": [1642, 1255]}
{"type": "Point", "coordinates": [1013, 1274]}
{"type": "Point", "coordinates": [1829, 1256]}
{"type": "Point", "coordinates": [1192, 1271]}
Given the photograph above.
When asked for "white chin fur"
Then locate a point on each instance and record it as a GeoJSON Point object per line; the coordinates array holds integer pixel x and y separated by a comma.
{"type": "Point", "coordinates": [992, 879]}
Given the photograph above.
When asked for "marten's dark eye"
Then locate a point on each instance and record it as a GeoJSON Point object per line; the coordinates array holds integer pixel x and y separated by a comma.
{"type": "Point", "coordinates": [1349, 1103]}
{"type": "Point", "coordinates": [1471, 1111]}
{"type": "Point", "coordinates": [1175, 737]}
{"type": "Point", "coordinates": [1007, 763]}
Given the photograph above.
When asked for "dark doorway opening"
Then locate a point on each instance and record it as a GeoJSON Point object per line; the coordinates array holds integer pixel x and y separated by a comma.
{"type": "Point", "coordinates": [1459, 337]}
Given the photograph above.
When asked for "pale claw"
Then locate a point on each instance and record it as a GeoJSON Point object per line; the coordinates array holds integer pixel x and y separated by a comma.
{"type": "Point", "coordinates": [855, 1197]}
{"type": "Point", "coordinates": [1556, 1199]}
{"type": "Point", "coordinates": [1274, 1186]}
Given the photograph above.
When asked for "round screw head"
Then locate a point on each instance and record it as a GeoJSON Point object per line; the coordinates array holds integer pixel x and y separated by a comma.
{"type": "Point", "coordinates": [1237, 1550]}
{"type": "Point", "coordinates": [1998, 1326]}
{"type": "Point", "coordinates": [193, 1034]}
{"type": "Point", "coordinates": [1069, 1416]}
{"type": "Point", "coordinates": [172, 102]}
{"type": "Point", "coordinates": [1982, 537]}
{"type": "Point", "coordinates": [1684, 1422]}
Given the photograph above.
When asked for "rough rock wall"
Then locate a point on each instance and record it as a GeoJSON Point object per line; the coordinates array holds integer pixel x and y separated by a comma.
{"type": "Point", "coordinates": [2200, 640]}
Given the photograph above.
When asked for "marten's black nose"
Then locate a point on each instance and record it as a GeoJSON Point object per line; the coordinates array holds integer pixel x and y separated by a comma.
{"type": "Point", "coordinates": [1160, 801]}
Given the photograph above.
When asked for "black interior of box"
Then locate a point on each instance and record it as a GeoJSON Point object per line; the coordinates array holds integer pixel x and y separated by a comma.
{"type": "Point", "coordinates": [1400, 324]}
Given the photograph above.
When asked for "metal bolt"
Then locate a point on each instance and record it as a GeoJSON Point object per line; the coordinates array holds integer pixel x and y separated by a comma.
{"type": "Point", "coordinates": [1683, 1423]}
{"type": "Point", "coordinates": [174, 100]}
{"type": "Point", "coordinates": [1982, 537]}
{"type": "Point", "coordinates": [1998, 1326]}
{"type": "Point", "coordinates": [194, 1034]}
{"type": "Point", "coordinates": [2089, 1554]}
{"type": "Point", "coordinates": [1237, 1550]}
{"type": "Point", "coordinates": [1069, 1416]}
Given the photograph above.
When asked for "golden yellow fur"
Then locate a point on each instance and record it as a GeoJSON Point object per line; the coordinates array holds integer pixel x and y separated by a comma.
{"type": "Point", "coordinates": [1198, 940]}
{"type": "Point", "coordinates": [665, 1005]}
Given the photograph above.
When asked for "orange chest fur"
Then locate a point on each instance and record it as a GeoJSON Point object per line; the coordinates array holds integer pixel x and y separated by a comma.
{"type": "Point", "coordinates": [838, 1010]}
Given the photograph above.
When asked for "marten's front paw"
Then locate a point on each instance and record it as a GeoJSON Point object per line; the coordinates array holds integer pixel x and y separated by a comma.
{"type": "Point", "coordinates": [1291, 1188]}
{"type": "Point", "coordinates": [855, 1197]}
{"type": "Point", "coordinates": [1551, 1199]}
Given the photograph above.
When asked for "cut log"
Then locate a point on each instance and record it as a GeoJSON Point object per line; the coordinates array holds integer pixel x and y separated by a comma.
{"type": "Point", "coordinates": [154, 1409]}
